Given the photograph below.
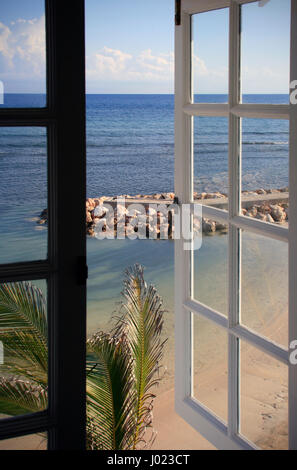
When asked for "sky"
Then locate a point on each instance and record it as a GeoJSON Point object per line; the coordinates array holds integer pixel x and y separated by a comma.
{"type": "Point", "coordinates": [130, 47]}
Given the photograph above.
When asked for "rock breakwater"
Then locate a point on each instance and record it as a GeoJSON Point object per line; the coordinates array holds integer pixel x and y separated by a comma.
{"type": "Point", "coordinates": [269, 205]}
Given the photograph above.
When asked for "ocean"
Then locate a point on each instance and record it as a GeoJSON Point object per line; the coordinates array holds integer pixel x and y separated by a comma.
{"type": "Point", "coordinates": [130, 150]}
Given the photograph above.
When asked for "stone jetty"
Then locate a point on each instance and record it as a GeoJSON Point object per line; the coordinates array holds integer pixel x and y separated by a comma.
{"type": "Point", "coordinates": [268, 205]}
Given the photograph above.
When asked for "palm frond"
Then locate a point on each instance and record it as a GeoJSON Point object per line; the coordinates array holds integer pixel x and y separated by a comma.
{"type": "Point", "coordinates": [110, 397]}
{"type": "Point", "coordinates": [22, 305]}
{"type": "Point", "coordinates": [142, 324]}
{"type": "Point", "coordinates": [23, 330]}
{"type": "Point", "coordinates": [21, 396]}
{"type": "Point", "coordinates": [121, 371]}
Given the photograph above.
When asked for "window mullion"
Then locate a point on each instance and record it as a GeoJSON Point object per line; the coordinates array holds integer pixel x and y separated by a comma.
{"type": "Point", "coordinates": [67, 169]}
{"type": "Point", "coordinates": [25, 271]}
{"type": "Point", "coordinates": [25, 424]}
{"type": "Point", "coordinates": [234, 205]}
{"type": "Point", "coordinates": [293, 236]}
{"type": "Point", "coordinates": [183, 190]}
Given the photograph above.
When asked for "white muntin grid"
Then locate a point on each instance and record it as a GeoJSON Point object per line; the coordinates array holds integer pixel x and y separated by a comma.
{"type": "Point", "coordinates": [221, 435]}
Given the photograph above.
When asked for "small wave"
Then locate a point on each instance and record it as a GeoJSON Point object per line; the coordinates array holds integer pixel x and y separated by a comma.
{"type": "Point", "coordinates": [248, 142]}
{"type": "Point", "coordinates": [265, 132]}
{"type": "Point", "coordinates": [275, 142]}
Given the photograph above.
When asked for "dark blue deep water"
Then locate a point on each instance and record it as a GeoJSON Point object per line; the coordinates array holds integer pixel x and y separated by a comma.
{"type": "Point", "coordinates": [130, 145]}
{"type": "Point", "coordinates": [130, 148]}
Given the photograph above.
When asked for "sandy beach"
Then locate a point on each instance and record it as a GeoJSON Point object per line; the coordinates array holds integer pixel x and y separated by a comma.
{"type": "Point", "coordinates": [264, 405]}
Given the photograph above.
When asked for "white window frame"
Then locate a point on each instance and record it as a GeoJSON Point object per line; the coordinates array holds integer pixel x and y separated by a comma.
{"type": "Point", "coordinates": [221, 435]}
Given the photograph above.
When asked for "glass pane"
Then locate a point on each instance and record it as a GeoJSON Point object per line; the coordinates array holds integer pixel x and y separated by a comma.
{"type": "Point", "coordinates": [266, 52]}
{"type": "Point", "coordinates": [265, 169]}
{"type": "Point", "coordinates": [30, 442]}
{"type": "Point", "coordinates": [211, 268]}
{"type": "Point", "coordinates": [210, 56]}
{"type": "Point", "coordinates": [23, 194]}
{"type": "Point", "coordinates": [211, 161]}
{"type": "Point", "coordinates": [23, 341]}
{"type": "Point", "coordinates": [264, 399]}
{"type": "Point", "coordinates": [211, 366]}
{"type": "Point", "coordinates": [22, 54]}
{"type": "Point", "coordinates": [264, 286]}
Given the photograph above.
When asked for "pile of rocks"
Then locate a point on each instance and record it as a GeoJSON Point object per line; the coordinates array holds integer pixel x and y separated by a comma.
{"type": "Point", "coordinates": [150, 222]}
{"type": "Point", "coordinates": [272, 213]}
{"type": "Point", "coordinates": [272, 209]}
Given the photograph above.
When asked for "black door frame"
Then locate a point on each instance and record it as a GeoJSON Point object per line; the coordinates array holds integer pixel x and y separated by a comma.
{"type": "Point", "coordinates": [65, 268]}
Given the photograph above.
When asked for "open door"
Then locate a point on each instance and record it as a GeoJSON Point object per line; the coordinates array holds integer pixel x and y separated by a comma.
{"type": "Point", "coordinates": [57, 263]}
{"type": "Point", "coordinates": [226, 431]}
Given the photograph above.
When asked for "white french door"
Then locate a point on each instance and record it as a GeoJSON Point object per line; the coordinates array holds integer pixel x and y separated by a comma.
{"type": "Point", "coordinates": [227, 433]}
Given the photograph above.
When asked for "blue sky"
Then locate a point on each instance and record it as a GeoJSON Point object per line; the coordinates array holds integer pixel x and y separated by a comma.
{"type": "Point", "coordinates": [130, 47]}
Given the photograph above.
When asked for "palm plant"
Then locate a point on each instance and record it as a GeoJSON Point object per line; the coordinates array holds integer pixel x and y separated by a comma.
{"type": "Point", "coordinates": [122, 366]}
{"type": "Point", "coordinates": [23, 332]}
{"type": "Point", "coordinates": [134, 347]}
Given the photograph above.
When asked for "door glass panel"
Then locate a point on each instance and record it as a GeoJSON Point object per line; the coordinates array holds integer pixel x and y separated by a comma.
{"type": "Point", "coordinates": [30, 442]}
{"type": "Point", "coordinates": [211, 161]}
{"type": "Point", "coordinates": [22, 54]}
{"type": "Point", "coordinates": [23, 348]}
{"type": "Point", "coordinates": [265, 170]}
{"type": "Point", "coordinates": [264, 286]}
{"type": "Point", "coordinates": [265, 40]}
{"type": "Point", "coordinates": [210, 56]}
{"type": "Point", "coordinates": [263, 399]}
{"type": "Point", "coordinates": [23, 194]}
{"type": "Point", "coordinates": [211, 366]}
{"type": "Point", "coordinates": [211, 269]}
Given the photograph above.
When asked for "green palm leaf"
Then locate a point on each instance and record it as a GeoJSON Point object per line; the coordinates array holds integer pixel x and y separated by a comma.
{"type": "Point", "coordinates": [20, 396]}
{"type": "Point", "coordinates": [22, 305]}
{"type": "Point", "coordinates": [142, 324]}
{"type": "Point", "coordinates": [110, 397]}
{"type": "Point", "coordinates": [120, 374]}
{"type": "Point", "coordinates": [23, 330]}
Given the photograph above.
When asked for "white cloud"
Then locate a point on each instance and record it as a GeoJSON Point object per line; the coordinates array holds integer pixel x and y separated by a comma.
{"type": "Point", "coordinates": [116, 65]}
{"type": "Point", "coordinates": [108, 63]}
{"type": "Point", "coordinates": [113, 65]}
{"type": "Point", "coordinates": [5, 34]}
{"type": "Point", "coordinates": [22, 57]}
{"type": "Point", "coordinates": [22, 49]}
